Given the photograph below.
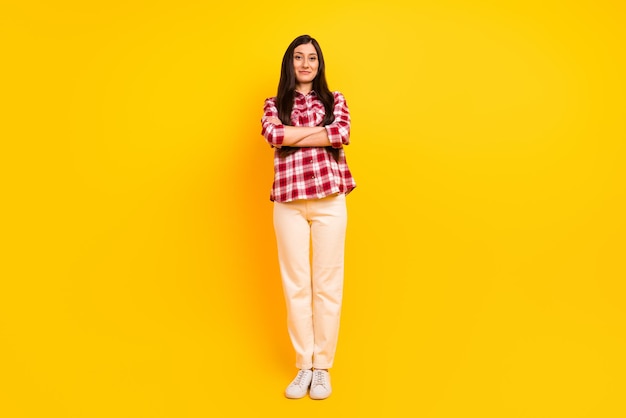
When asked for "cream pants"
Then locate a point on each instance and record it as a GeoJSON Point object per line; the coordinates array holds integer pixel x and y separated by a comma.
{"type": "Point", "coordinates": [311, 235]}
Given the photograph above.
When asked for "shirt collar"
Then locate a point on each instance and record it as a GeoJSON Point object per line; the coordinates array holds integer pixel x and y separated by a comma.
{"type": "Point", "coordinates": [311, 93]}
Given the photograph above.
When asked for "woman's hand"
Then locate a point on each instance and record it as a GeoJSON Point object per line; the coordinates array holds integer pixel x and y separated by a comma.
{"type": "Point", "coordinates": [274, 120]}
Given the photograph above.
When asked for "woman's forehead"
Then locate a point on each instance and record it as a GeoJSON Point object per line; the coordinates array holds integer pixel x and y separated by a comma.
{"type": "Point", "coordinates": [305, 49]}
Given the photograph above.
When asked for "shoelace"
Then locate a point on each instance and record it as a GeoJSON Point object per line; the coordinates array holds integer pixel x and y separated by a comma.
{"type": "Point", "coordinates": [319, 378]}
{"type": "Point", "coordinates": [298, 380]}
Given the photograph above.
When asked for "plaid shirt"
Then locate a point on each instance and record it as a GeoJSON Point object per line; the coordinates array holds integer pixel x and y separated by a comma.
{"type": "Point", "coordinates": [309, 172]}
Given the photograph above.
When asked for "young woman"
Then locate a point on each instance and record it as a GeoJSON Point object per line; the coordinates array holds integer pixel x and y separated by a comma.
{"type": "Point", "coordinates": [308, 126]}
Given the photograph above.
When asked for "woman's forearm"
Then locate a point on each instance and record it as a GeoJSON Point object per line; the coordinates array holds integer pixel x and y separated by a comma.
{"type": "Point", "coordinates": [318, 139]}
{"type": "Point", "coordinates": [305, 136]}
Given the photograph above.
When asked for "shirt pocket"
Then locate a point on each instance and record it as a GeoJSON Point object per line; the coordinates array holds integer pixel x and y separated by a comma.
{"type": "Point", "coordinates": [318, 116]}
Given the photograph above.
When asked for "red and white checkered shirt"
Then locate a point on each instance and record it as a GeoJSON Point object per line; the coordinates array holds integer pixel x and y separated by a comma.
{"type": "Point", "coordinates": [309, 172]}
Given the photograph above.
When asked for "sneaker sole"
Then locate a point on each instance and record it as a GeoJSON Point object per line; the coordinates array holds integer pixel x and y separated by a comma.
{"type": "Point", "coordinates": [319, 398]}
{"type": "Point", "coordinates": [294, 396]}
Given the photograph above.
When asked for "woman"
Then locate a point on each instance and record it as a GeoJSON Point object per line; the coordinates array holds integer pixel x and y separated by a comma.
{"type": "Point", "coordinates": [308, 125]}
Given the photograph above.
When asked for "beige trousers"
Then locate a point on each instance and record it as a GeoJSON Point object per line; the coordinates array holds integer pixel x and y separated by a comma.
{"type": "Point", "coordinates": [311, 235]}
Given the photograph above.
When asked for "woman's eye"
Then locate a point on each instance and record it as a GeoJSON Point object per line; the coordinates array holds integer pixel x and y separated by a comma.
{"type": "Point", "coordinates": [313, 58]}
{"type": "Point", "coordinates": [297, 57]}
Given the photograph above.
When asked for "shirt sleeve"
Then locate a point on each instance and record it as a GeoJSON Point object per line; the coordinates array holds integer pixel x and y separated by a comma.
{"type": "Point", "coordinates": [339, 130]}
{"type": "Point", "coordinates": [274, 134]}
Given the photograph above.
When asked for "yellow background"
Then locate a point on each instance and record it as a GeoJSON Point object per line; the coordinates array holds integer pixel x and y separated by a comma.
{"type": "Point", "coordinates": [486, 242]}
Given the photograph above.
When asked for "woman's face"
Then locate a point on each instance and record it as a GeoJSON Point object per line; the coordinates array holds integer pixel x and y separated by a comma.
{"type": "Point", "coordinates": [305, 63]}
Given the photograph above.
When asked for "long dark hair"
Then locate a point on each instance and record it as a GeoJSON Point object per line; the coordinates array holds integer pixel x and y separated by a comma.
{"type": "Point", "coordinates": [287, 83]}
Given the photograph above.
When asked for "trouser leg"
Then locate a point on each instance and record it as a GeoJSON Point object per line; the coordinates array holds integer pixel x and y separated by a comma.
{"type": "Point", "coordinates": [293, 238]}
{"type": "Point", "coordinates": [328, 231]}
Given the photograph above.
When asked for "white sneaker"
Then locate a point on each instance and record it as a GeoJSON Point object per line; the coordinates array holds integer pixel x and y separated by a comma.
{"type": "Point", "coordinates": [298, 387]}
{"type": "Point", "coordinates": [320, 388]}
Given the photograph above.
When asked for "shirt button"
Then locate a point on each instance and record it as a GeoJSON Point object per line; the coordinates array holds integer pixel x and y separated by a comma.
{"type": "Point", "coordinates": [311, 160]}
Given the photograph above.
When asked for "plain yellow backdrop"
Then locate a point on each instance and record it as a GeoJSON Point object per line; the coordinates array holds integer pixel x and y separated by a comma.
{"type": "Point", "coordinates": [486, 243]}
